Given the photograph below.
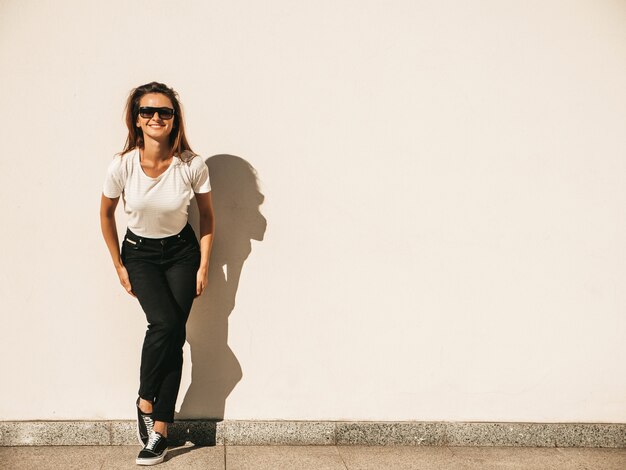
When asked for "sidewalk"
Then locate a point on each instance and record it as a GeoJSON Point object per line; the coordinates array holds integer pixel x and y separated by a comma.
{"type": "Point", "coordinates": [329, 457]}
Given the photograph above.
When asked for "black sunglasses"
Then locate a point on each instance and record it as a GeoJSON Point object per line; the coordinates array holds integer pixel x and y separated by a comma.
{"type": "Point", "coordinates": [148, 111]}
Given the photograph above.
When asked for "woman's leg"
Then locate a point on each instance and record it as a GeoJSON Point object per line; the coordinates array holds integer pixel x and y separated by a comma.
{"type": "Point", "coordinates": [181, 278]}
{"type": "Point", "coordinates": [164, 317]}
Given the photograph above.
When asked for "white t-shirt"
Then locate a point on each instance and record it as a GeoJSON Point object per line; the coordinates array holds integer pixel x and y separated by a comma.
{"type": "Point", "coordinates": [156, 207]}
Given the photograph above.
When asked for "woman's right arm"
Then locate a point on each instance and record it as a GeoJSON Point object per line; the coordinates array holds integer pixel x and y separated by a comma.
{"type": "Point", "coordinates": [109, 232]}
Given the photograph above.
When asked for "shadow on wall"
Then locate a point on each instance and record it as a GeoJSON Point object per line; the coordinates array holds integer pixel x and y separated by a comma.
{"type": "Point", "coordinates": [215, 370]}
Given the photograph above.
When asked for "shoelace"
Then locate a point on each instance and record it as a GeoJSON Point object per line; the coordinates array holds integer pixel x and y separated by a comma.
{"type": "Point", "coordinates": [154, 438]}
{"type": "Point", "coordinates": [149, 422]}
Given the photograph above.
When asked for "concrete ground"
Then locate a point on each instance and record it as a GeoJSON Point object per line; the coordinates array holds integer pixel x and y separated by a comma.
{"type": "Point", "coordinates": [190, 457]}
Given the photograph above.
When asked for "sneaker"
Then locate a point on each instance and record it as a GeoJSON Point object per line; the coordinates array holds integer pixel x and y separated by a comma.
{"type": "Point", "coordinates": [145, 423]}
{"type": "Point", "coordinates": [154, 451]}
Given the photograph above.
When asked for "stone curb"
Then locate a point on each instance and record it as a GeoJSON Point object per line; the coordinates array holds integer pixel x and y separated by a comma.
{"type": "Point", "coordinates": [234, 432]}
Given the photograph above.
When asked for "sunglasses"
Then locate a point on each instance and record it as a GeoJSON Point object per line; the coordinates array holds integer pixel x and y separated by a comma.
{"type": "Point", "coordinates": [148, 111]}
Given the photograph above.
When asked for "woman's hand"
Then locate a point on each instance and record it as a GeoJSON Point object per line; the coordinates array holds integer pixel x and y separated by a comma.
{"type": "Point", "coordinates": [207, 227]}
{"type": "Point", "coordinates": [202, 279]}
{"type": "Point", "coordinates": [124, 280]}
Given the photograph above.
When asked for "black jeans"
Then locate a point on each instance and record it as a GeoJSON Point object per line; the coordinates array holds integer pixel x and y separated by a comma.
{"type": "Point", "coordinates": [162, 274]}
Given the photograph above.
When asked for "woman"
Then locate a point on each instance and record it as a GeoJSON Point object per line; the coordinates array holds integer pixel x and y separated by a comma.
{"type": "Point", "coordinates": [161, 262]}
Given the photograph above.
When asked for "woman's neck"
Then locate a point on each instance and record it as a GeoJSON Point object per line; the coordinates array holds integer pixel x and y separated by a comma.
{"type": "Point", "coordinates": [155, 151]}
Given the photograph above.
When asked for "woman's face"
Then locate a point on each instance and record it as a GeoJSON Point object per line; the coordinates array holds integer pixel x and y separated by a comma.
{"type": "Point", "coordinates": [155, 127]}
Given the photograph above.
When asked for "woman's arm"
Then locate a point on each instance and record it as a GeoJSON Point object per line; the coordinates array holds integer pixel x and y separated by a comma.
{"type": "Point", "coordinates": [109, 232]}
{"type": "Point", "coordinates": [207, 230]}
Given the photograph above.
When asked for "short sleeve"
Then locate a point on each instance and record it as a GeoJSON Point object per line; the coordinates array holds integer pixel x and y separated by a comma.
{"type": "Point", "coordinates": [114, 181]}
{"type": "Point", "coordinates": [200, 177]}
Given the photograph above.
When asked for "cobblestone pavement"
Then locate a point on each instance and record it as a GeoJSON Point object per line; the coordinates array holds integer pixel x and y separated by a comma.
{"type": "Point", "coordinates": [190, 457]}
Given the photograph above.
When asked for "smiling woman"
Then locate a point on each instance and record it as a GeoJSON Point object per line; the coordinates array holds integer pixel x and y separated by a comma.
{"type": "Point", "coordinates": [161, 262]}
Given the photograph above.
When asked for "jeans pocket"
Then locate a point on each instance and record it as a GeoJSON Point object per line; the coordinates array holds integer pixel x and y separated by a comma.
{"type": "Point", "coordinates": [187, 239]}
{"type": "Point", "coordinates": [131, 243]}
{"type": "Point", "coordinates": [189, 244]}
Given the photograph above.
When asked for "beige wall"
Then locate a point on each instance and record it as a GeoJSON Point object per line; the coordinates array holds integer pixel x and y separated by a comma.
{"type": "Point", "coordinates": [441, 234]}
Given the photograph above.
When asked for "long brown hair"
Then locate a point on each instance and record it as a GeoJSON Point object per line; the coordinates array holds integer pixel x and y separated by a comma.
{"type": "Point", "coordinates": [178, 140]}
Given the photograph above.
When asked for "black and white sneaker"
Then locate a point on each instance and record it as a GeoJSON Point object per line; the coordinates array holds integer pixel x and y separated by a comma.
{"type": "Point", "coordinates": [145, 424]}
{"type": "Point", "coordinates": [154, 451]}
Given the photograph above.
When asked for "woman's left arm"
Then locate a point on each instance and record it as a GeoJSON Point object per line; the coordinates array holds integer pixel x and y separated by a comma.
{"type": "Point", "coordinates": [207, 230]}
